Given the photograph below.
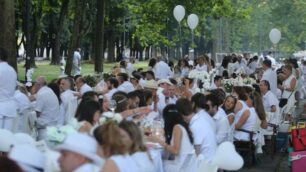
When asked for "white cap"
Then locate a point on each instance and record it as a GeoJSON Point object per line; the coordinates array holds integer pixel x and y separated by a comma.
{"type": "Point", "coordinates": [162, 81]}
{"type": "Point", "coordinates": [82, 144]}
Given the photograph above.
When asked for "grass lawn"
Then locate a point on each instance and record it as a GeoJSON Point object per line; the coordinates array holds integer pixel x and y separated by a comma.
{"type": "Point", "coordinates": [53, 71]}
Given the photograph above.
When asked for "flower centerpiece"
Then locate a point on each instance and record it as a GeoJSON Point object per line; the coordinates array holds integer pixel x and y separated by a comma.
{"type": "Point", "coordinates": [228, 85]}
{"type": "Point", "coordinates": [110, 116]}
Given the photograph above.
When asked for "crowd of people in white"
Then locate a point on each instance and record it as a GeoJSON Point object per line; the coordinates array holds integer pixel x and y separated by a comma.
{"type": "Point", "coordinates": [159, 109]}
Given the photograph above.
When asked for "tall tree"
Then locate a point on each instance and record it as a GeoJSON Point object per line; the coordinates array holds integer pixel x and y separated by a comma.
{"type": "Point", "coordinates": [99, 34]}
{"type": "Point", "coordinates": [7, 28]}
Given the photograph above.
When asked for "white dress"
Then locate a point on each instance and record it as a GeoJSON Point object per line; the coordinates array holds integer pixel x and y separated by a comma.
{"type": "Point", "coordinates": [248, 125]}
{"type": "Point", "coordinates": [143, 161]}
{"type": "Point", "coordinates": [125, 163]}
{"type": "Point", "coordinates": [186, 158]}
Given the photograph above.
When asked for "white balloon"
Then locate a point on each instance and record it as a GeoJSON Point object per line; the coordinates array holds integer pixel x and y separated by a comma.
{"type": "Point", "coordinates": [227, 158]}
{"type": "Point", "coordinates": [275, 35]}
{"type": "Point", "coordinates": [179, 13]}
{"type": "Point", "coordinates": [192, 21]}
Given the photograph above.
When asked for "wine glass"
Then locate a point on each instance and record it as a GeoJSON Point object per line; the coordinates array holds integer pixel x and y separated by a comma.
{"type": "Point", "coordinates": [112, 105]}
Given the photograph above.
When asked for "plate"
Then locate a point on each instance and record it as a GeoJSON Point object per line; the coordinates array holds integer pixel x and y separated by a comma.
{"type": "Point", "coordinates": [152, 145]}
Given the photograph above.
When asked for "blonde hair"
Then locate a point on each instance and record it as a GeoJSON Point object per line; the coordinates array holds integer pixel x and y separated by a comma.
{"type": "Point", "coordinates": [108, 136]}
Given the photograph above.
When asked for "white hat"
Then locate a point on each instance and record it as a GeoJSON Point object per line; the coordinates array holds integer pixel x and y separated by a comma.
{"type": "Point", "coordinates": [151, 84]}
{"type": "Point", "coordinates": [28, 157]}
{"type": "Point", "coordinates": [83, 145]}
{"type": "Point", "coordinates": [164, 81]}
{"type": "Point", "coordinates": [7, 143]}
{"type": "Point", "coordinates": [23, 138]}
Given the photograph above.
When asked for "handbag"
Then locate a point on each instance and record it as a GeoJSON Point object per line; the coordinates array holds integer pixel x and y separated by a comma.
{"type": "Point", "coordinates": [283, 101]}
{"type": "Point", "coordinates": [298, 135]}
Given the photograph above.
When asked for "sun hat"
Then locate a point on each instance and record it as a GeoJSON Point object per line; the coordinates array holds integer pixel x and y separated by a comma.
{"type": "Point", "coordinates": [82, 144]}
{"type": "Point", "coordinates": [151, 84]}
{"type": "Point", "coordinates": [28, 157]}
{"type": "Point", "coordinates": [7, 143]}
{"type": "Point", "coordinates": [164, 81]}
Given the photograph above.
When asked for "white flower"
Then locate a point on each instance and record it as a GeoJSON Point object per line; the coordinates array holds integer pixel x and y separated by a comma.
{"type": "Point", "coordinates": [117, 117]}
{"type": "Point", "coordinates": [102, 120]}
{"type": "Point", "coordinates": [108, 114]}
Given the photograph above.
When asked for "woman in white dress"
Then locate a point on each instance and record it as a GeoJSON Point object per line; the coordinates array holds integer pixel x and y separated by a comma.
{"type": "Point", "coordinates": [115, 143]}
{"type": "Point", "coordinates": [244, 119]}
{"type": "Point", "coordinates": [179, 142]}
{"type": "Point", "coordinates": [137, 150]}
{"type": "Point", "coordinates": [288, 87]}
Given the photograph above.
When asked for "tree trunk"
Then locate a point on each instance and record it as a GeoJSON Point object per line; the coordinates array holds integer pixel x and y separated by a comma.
{"type": "Point", "coordinates": [56, 54]}
{"type": "Point", "coordinates": [99, 32]}
{"type": "Point", "coordinates": [75, 36]}
{"type": "Point", "coordinates": [111, 48]}
{"type": "Point", "coordinates": [7, 28]}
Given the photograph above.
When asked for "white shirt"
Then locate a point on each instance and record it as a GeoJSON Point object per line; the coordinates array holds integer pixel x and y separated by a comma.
{"type": "Point", "coordinates": [76, 57]}
{"type": "Point", "coordinates": [129, 68]}
{"type": "Point", "coordinates": [48, 106]}
{"type": "Point", "coordinates": [87, 167]}
{"type": "Point", "coordinates": [202, 68]}
{"type": "Point", "coordinates": [271, 76]}
{"type": "Point", "coordinates": [209, 119]}
{"type": "Point", "coordinates": [126, 87]}
{"type": "Point", "coordinates": [8, 79]}
{"type": "Point", "coordinates": [222, 124]}
{"type": "Point", "coordinates": [22, 101]}
{"type": "Point", "coordinates": [269, 99]}
{"type": "Point", "coordinates": [162, 70]}
{"type": "Point", "coordinates": [204, 136]}
{"type": "Point", "coordinates": [125, 163]}
{"type": "Point", "coordinates": [143, 161]}
{"type": "Point", "coordinates": [85, 88]}
{"type": "Point", "coordinates": [111, 92]}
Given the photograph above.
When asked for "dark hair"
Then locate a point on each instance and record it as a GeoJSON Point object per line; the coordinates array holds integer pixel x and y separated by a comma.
{"type": "Point", "coordinates": [213, 99]}
{"type": "Point", "coordinates": [147, 94]}
{"type": "Point", "coordinates": [113, 81]}
{"type": "Point", "coordinates": [258, 105]}
{"type": "Point", "coordinates": [240, 90]}
{"type": "Point", "coordinates": [172, 117]}
{"type": "Point", "coordinates": [225, 74]}
{"type": "Point", "coordinates": [184, 106]}
{"type": "Point", "coordinates": [152, 62]}
{"type": "Point", "coordinates": [173, 81]}
{"type": "Point", "coordinates": [142, 97]}
{"type": "Point", "coordinates": [219, 94]}
{"type": "Point", "coordinates": [76, 77]}
{"type": "Point", "coordinates": [267, 62]}
{"type": "Point", "coordinates": [124, 76]}
{"type": "Point", "coordinates": [55, 88]}
{"type": "Point", "coordinates": [86, 110]}
{"type": "Point", "coordinates": [217, 77]}
{"type": "Point", "coordinates": [151, 73]}
{"type": "Point", "coordinates": [121, 100]}
{"type": "Point", "coordinates": [199, 101]}
{"type": "Point", "coordinates": [7, 164]}
{"type": "Point", "coordinates": [266, 83]}
{"type": "Point", "coordinates": [90, 95]}
{"type": "Point", "coordinates": [122, 64]}
{"type": "Point", "coordinates": [3, 54]}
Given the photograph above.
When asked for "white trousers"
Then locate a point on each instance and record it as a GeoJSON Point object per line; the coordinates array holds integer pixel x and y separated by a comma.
{"type": "Point", "coordinates": [8, 123]}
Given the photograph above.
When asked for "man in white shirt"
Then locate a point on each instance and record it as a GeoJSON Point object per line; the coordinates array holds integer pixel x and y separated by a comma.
{"type": "Point", "coordinates": [269, 75]}
{"type": "Point", "coordinates": [82, 87]}
{"type": "Point", "coordinates": [66, 97]}
{"type": "Point", "coordinates": [124, 85]}
{"type": "Point", "coordinates": [76, 62]}
{"type": "Point", "coordinates": [163, 94]}
{"type": "Point", "coordinates": [162, 69]}
{"type": "Point", "coordinates": [269, 57]}
{"type": "Point", "coordinates": [112, 85]}
{"type": "Point", "coordinates": [8, 80]}
{"type": "Point", "coordinates": [46, 107]}
{"type": "Point", "coordinates": [203, 136]}
{"type": "Point", "coordinates": [129, 66]}
{"type": "Point", "coordinates": [217, 82]}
